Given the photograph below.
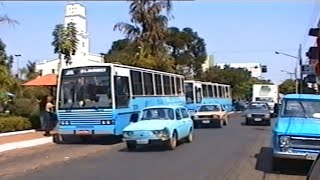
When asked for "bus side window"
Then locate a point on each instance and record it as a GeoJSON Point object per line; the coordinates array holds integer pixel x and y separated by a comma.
{"type": "Point", "coordinates": [122, 92]}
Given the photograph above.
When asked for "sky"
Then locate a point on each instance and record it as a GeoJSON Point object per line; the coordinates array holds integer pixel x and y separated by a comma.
{"type": "Point", "coordinates": [234, 31]}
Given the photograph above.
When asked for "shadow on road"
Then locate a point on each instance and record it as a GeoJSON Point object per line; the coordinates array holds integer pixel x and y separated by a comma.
{"type": "Point", "coordinates": [290, 167]}
{"type": "Point", "coordinates": [154, 148]}
{"type": "Point", "coordinates": [103, 140]}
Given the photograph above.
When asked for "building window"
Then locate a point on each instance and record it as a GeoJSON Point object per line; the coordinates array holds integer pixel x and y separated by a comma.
{"type": "Point", "coordinates": [40, 72]}
{"type": "Point", "coordinates": [83, 44]}
{"type": "Point", "coordinates": [52, 71]}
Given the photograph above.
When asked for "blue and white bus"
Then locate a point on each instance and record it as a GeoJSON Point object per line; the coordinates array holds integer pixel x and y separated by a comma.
{"type": "Point", "coordinates": [198, 93]}
{"type": "Point", "coordinates": [103, 98]}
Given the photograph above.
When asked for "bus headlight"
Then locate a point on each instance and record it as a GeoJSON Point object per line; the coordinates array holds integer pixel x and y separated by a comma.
{"type": "Point", "coordinates": [107, 122]}
{"type": "Point", "coordinates": [127, 134]}
{"type": "Point", "coordinates": [249, 115]}
{"type": "Point", "coordinates": [284, 141]}
{"type": "Point", "coordinates": [65, 123]}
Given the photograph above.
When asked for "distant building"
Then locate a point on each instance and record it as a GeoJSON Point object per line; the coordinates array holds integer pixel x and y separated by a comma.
{"type": "Point", "coordinates": [75, 12]}
{"type": "Point", "coordinates": [254, 68]}
{"type": "Point", "coordinates": [208, 63]}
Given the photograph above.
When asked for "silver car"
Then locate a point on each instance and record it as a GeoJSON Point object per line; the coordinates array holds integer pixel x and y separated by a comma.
{"type": "Point", "coordinates": [257, 113]}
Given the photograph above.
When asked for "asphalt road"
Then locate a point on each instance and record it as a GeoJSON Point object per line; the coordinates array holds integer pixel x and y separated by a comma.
{"type": "Point", "coordinates": [235, 152]}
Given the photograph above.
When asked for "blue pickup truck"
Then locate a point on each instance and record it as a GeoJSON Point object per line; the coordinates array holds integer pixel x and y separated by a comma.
{"type": "Point", "coordinates": [296, 134]}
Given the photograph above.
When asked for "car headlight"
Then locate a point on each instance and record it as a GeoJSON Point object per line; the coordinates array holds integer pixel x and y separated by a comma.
{"type": "Point", "coordinates": [195, 116]}
{"type": "Point", "coordinates": [267, 116]}
{"type": "Point", "coordinates": [249, 115]}
{"type": "Point", "coordinates": [284, 141]}
{"type": "Point", "coordinates": [127, 134]}
{"type": "Point", "coordinates": [216, 116]}
{"type": "Point", "coordinates": [165, 132]}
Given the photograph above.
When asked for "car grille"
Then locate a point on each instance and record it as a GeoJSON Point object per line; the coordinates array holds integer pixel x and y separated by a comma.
{"type": "Point", "coordinates": [205, 116]}
{"type": "Point", "coordinates": [305, 143]}
{"type": "Point", "coordinates": [258, 115]}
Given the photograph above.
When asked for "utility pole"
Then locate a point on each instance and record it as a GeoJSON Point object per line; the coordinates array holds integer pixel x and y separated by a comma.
{"type": "Point", "coordinates": [18, 68]}
{"type": "Point", "coordinates": [300, 65]}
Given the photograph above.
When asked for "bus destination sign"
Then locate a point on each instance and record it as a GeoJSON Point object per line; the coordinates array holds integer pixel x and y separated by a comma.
{"type": "Point", "coordinates": [86, 70]}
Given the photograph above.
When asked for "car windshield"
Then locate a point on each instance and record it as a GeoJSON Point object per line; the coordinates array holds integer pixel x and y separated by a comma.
{"type": "Point", "coordinates": [87, 87]}
{"type": "Point", "coordinates": [209, 108]}
{"type": "Point", "coordinates": [158, 114]}
{"type": "Point", "coordinates": [301, 108]}
{"type": "Point", "coordinates": [257, 106]}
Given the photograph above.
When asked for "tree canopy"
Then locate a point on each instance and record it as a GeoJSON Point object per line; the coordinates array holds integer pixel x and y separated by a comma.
{"type": "Point", "coordinates": [149, 43]}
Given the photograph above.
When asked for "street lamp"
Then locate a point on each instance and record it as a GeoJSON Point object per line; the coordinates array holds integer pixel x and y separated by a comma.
{"type": "Point", "coordinates": [299, 58]}
{"type": "Point", "coordinates": [18, 71]}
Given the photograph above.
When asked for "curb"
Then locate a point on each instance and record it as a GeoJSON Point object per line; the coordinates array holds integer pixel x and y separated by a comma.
{"type": "Point", "coordinates": [25, 144]}
{"type": "Point", "coordinates": [16, 133]}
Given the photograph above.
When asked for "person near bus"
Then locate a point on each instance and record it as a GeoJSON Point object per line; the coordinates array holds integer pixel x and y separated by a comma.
{"type": "Point", "coordinates": [48, 116]}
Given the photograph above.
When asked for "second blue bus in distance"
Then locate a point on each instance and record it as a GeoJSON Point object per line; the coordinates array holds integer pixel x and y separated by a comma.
{"type": "Point", "coordinates": [198, 93]}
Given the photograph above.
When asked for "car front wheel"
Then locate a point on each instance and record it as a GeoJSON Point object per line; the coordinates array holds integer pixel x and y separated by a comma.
{"type": "Point", "coordinates": [172, 142]}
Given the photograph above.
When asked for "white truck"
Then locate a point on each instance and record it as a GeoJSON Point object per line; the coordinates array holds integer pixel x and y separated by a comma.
{"type": "Point", "coordinates": [266, 93]}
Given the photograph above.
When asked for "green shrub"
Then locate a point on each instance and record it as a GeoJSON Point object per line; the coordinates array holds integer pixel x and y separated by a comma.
{"type": "Point", "coordinates": [14, 123]}
{"type": "Point", "coordinates": [35, 120]}
{"type": "Point", "coordinates": [24, 107]}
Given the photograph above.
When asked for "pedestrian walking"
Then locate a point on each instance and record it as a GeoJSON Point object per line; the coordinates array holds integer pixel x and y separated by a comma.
{"type": "Point", "coordinates": [48, 116]}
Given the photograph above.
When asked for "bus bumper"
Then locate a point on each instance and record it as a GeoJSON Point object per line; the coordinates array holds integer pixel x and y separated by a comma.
{"type": "Point", "coordinates": [87, 130]}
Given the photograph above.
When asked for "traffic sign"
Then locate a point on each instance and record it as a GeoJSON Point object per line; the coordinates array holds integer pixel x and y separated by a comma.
{"type": "Point", "coordinates": [307, 69]}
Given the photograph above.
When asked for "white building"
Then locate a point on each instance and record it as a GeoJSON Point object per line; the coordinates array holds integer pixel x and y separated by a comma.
{"type": "Point", "coordinates": [254, 68]}
{"type": "Point", "coordinates": [75, 12]}
{"type": "Point", "coordinates": [208, 63]}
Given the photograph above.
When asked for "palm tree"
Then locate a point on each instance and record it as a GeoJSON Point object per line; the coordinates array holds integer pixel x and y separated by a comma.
{"type": "Point", "coordinates": [149, 24]}
{"type": "Point", "coordinates": [30, 70]}
{"type": "Point", "coordinates": [4, 19]}
{"type": "Point", "coordinates": [71, 42]}
{"type": "Point", "coordinates": [58, 41]}
{"type": "Point", "coordinates": [65, 41]}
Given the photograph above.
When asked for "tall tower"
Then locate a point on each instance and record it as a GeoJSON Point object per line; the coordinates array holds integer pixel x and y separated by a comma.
{"type": "Point", "coordinates": [76, 13]}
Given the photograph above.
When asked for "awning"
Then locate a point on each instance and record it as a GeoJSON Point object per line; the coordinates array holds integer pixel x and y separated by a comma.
{"type": "Point", "coordinates": [47, 80]}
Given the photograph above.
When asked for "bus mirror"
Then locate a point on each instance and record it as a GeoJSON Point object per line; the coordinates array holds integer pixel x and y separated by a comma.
{"type": "Point", "coordinates": [134, 118]}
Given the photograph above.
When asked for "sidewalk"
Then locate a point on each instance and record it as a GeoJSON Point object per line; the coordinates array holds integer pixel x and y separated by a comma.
{"type": "Point", "coordinates": [17, 141]}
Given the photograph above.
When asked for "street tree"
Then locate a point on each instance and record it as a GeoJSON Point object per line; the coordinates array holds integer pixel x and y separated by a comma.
{"type": "Point", "coordinates": [147, 33]}
{"type": "Point", "coordinates": [188, 50]}
{"type": "Point", "coordinates": [287, 87]}
{"type": "Point", "coordinates": [65, 41]}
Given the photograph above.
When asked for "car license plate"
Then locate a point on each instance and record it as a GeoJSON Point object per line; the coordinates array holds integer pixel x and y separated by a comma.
{"type": "Point", "coordinates": [258, 119]}
{"type": "Point", "coordinates": [83, 132]}
{"type": "Point", "coordinates": [311, 156]}
{"type": "Point", "coordinates": [143, 141]}
{"type": "Point", "coordinates": [206, 122]}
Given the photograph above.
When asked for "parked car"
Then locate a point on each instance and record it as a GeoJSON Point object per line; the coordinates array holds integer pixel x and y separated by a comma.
{"type": "Point", "coordinates": [211, 115]}
{"type": "Point", "coordinates": [257, 113]}
{"type": "Point", "coordinates": [164, 125]}
{"type": "Point", "coordinates": [296, 134]}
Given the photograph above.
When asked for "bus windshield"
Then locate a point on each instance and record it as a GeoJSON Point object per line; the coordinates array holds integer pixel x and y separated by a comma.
{"type": "Point", "coordinates": [189, 93]}
{"type": "Point", "coordinates": [85, 87]}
